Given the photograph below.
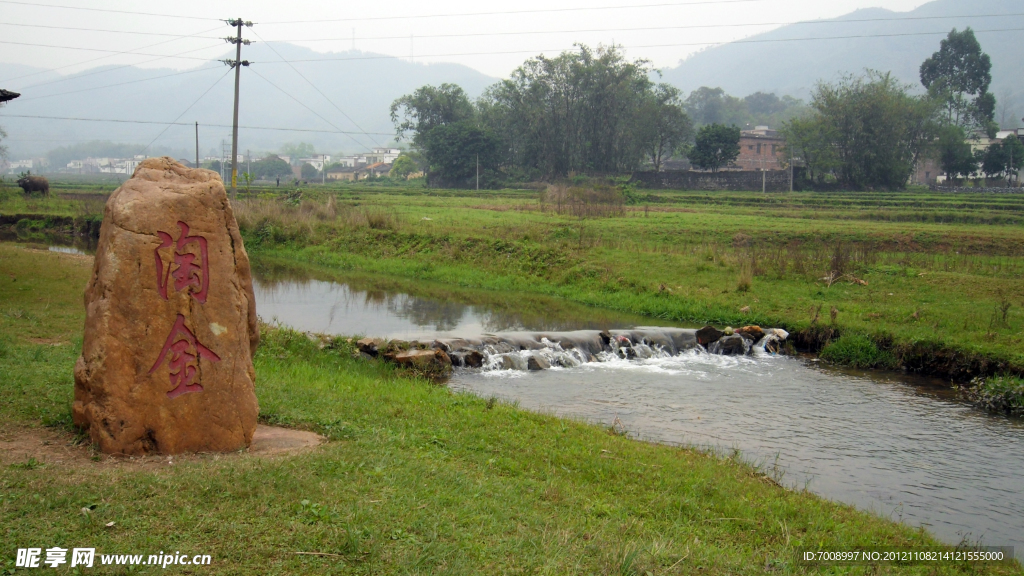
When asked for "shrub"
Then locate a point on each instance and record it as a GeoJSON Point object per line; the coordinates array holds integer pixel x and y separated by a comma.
{"type": "Point", "coordinates": [858, 351]}
{"type": "Point", "coordinates": [997, 394]}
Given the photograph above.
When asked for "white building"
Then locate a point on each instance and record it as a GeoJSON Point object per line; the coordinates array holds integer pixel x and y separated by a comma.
{"type": "Point", "coordinates": [18, 166]}
{"type": "Point", "coordinates": [385, 155]}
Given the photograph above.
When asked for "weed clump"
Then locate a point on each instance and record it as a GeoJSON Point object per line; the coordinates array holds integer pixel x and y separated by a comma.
{"type": "Point", "coordinates": [1003, 394]}
{"type": "Point", "coordinates": [857, 351]}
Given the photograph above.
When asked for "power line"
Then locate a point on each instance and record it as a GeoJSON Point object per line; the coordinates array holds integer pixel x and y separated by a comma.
{"type": "Point", "coordinates": [185, 110]}
{"type": "Point", "coordinates": [121, 121]}
{"type": "Point", "coordinates": [105, 70]}
{"type": "Point", "coordinates": [509, 12]}
{"type": "Point", "coordinates": [296, 70]}
{"type": "Point", "coordinates": [104, 30]}
{"type": "Point", "coordinates": [38, 5]}
{"type": "Point", "coordinates": [120, 84]}
{"type": "Point", "coordinates": [650, 28]}
{"type": "Point", "coordinates": [752, 41]}
{"type": "Point", "coordinates": [97, 49]}
{"type": "Point", "coordinates": [317, 114]}
{"type": "Point", "coordinates": [132, 51]}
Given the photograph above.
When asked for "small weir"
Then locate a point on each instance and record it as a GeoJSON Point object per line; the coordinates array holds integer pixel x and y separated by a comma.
{"type": "Point", "coordinates": [544, 350]}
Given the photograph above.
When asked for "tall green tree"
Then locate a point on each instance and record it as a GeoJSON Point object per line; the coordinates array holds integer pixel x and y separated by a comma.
{"type": "Point", "coordinates": [665, 125]}
{"type": "Point", "coordinates": [715, 147]}
{"type": "Point", "coordinates": [713, 106]}
{"type": "Point", "coordinates": [955, 155]}
{"type": "Point", "coordinates": [809, 141]}
{"type": "Point", "coordinates": [870, 130]}
{"type": "Point", "coordinates": [959, 75]}
{"type": "Point", "coordinates": [577, 112]}
{"type": "Point", "coordinates": [429, 107]}
{"type": "Point", "coordinates": [453, 151]}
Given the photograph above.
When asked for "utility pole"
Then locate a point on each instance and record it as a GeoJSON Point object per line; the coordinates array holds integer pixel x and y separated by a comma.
{"type": "Point", "coordinates": [477, 172]}
{"type": "Point", "coordinates": [323, 169]}
{"type": "Point", "coordinates": [197, 144]}
{"type": "Point", "coordinates": [237, 64]}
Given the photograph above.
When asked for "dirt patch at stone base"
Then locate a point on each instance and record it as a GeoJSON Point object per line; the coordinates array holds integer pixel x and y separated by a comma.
{"type": "Point", "coordinates": [38, 446]}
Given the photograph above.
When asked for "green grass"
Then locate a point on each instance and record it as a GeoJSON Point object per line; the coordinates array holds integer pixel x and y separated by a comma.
{"type": "Point", "coordinates": [857, 351]}
{"type": "Point", "coordinates": [941, 294]}
{"type": "Point", "coordinates": [414, 480]}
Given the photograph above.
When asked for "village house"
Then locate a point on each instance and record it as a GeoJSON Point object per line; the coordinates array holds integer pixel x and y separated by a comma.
{"type": "Point", "coordinates": [928, 170]}
{"type": "Point", "coordinates": [760, 149]}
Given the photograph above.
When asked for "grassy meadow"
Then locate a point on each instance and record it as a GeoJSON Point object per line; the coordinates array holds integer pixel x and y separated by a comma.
{"type": "Point", "coordinates": [414, 479]}
{"type": "Point", "coordinates": [930, 281]}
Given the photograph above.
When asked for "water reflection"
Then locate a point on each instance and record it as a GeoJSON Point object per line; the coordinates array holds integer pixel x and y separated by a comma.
{"type": "Point", "coordinates": [69, 244]}
{"type": "Point", "coordinates": [384, 307]}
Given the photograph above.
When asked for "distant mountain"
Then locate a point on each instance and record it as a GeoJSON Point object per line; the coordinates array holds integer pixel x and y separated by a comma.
{"type": "Point", "coordinates": [363, 85]}
{"type": "Point", "coordinates": [793, 68]}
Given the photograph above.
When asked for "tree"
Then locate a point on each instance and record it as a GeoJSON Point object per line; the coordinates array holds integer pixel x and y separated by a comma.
{"type": "Point", "coordinates": [580, 111]}
{"type": "Point", "coordinates": [954, 152]}
{"type": "Point", "coordinates": [453, 151]}
{"type": "Point", "coordinates": [958, 75]}
{"type": "Point", "coordinates": [271, 167]}
{"type": "Point", "coordinates": [429, 107]}
{"type": "Point", "coordinates": [308, 171]}
{"type": "Point", "coordinates": [870, 130]}
{"type": "Point", "coordinates": [713, 106]}
{"type": "Point", "coordinates": [810, 141]}
{"type": "Point", "coordinates": [1005, 157]}
{"type": "Point", "coordinates": [300, 150]}
{"type": "Point", "coordinates": [665, 126]}
{"type": "Point", "coordinates": [715, 147]}
{"type": "Point", "coordinates": [402, 167]}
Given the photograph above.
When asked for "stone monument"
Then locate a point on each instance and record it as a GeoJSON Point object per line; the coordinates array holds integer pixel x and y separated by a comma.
{"type": "Point", "coordinates": [170, 327]}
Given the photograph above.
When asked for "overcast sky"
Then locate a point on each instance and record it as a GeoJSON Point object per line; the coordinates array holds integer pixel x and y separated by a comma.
{"type": "Point", "coordinates": [436, 31]}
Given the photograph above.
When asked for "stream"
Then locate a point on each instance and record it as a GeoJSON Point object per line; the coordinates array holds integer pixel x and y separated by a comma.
{"type": "Point", "coordinates": [903, 447]}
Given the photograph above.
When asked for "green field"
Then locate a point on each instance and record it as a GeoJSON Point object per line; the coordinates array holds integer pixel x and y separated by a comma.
{"type": "Point", "coordinates": [932, 280]}
{"type": "Point", "coordinates": [413, 480]}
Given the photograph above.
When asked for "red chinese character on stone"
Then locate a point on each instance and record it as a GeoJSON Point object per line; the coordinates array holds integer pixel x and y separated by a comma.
{"type": "Point", "coordinates": [184, 270]}
{"type": "Point", "coordinates": [184, 352]}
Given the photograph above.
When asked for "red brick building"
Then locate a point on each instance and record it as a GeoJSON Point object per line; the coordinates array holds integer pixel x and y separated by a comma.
{"type": "Point", "coordinates": [760, 149]}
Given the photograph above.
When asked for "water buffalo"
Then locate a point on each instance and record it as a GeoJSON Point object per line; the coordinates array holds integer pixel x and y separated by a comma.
{"type": "Point", "coordinates": [35, 184]}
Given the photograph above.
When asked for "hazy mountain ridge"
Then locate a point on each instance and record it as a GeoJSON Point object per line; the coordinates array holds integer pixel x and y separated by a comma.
{"type": "Point", "coordinates": [793, 68]}
{"type": "Point", "coordinates": [363, 85]}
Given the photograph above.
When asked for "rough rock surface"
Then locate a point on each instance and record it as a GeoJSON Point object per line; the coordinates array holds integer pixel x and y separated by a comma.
{"type": "Point", "coordinates": [708, 334]}
{"type": "Point", "coordinates": [171, 324]}
{"type": "Point", "coordinates": [535, 363]}
{"type": "Point", "coordinates": [423, 358]}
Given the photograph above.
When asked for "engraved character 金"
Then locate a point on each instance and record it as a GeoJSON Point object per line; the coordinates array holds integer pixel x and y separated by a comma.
{"type": "Point", "coordinates": [183, 352]}
{"type": "Point", "coordinates": [184, 269]}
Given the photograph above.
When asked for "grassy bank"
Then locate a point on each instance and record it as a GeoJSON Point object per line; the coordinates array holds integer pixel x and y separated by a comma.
{"type": "Point", "coordinates": [415, 479]}
{"type": "Point", "coordinates": [932, 280]}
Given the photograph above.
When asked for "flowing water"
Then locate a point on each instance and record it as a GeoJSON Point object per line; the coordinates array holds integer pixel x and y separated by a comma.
{"type": "Point", "coordinates": [902, 447]}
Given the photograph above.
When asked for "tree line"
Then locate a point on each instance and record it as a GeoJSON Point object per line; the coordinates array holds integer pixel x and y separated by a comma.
{"type": "Point", "coordinates": [591, 111]}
